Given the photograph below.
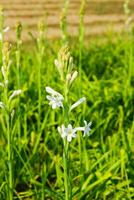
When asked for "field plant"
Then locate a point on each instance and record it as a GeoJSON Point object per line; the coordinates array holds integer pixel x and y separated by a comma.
{"type": "Point", "coordinates": [81, 32]}
{"type": "Point", "coordinates": [63, 22]}
{"type": "Point", "coordinates": [65, 67]}
{"type": "Point", "coordinates": [7, 105]}
{"type": "Point", "coordinates": [66, 115]}
{"type": "Point", "coordinates": [18, 66]}
{"type": "Point", "coordinates": [128, 17]}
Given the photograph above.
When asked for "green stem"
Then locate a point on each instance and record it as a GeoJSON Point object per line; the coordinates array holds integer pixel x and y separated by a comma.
{"type": "Point", "coordinates": [9, 147]}
{"type": "Point", "coordinates": [66, 170]}
{"type": "Point", "coordinates": [39, 94]}
{"type": "Point", "coordinates": [10, 160]}
{"type": "Point", "coordinates": [66, 146]}
{"type": "Point", "coordinates": [63, 21]}
{"type": "Point", "coordinates": [81, 38]}
{"type": "Point", "coordinates": [43, 182]}
{"type": "Point", "coordinates": [18, 52]}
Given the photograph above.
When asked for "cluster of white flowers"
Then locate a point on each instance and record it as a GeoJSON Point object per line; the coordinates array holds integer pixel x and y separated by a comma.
{"type": "Point", "coordinates": [70, 132]}
{"type": "Point", "coordinates": [65, 66]}
{"type": "Point", "coordinates": [54, 97]}
{"type": "Point", "coordinates": [56, 101]}
{"type": "Point", "coordinates": [5, 73]}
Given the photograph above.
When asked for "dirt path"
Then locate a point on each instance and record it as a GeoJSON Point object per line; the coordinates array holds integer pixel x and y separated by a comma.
{"type": "Point", "coordinates": [100, 15]}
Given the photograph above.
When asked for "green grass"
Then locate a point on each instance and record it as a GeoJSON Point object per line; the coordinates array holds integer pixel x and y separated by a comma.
{"type": "Point", "coordinates": [100, 166]}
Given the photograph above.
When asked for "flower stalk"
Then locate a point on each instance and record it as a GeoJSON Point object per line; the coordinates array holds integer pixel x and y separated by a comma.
{"type": "Point", "coordinates": [5, 72]}
{"type": "Point", "coordinates": [65, 67]}
{"type": "Point", "coordinates": [18, 65]}
{"type": "Point", "coordinates": [8, 113]}
{"type": "Point", "coordinates": [81, 35]}
{"type": "Point", "coordinates": [40, 45]}
{"type": "Point", "coordinates": [63, 22]}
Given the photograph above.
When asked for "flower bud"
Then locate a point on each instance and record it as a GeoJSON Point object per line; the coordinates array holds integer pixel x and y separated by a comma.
{"type": "Point", "coordinates": [18, 30]}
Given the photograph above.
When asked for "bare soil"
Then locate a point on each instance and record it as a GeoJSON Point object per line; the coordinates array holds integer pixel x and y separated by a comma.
{"type": "Point", "coordinates": [99, 16]}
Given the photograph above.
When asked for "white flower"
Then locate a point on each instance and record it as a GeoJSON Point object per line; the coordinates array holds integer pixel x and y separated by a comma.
{"type": "Point", "coordinates": [4, 31]}
{"type": "Point", "coordinates": [55, 98]}
{"type": "Point", "coordinates": [62, 131]}
{"type": "Point", "coordinates": [14, 94]}
{"type": "Point", "coordinates": [87, 128]}
{"type": "Point", "coordinates": [68, 132]}
{"type": "Point", "coordinates": [78, 103]}
{"type": "Point", "coordinates": [2, 105]}
{"type": "Point", "coordinates": [4, 73]}
{"type": "Point", "coordinates": [73, 77]}
{"type": "Point", "coordinates": [1, 84]}
{"type": "Point", "coordinates": [59, 67]}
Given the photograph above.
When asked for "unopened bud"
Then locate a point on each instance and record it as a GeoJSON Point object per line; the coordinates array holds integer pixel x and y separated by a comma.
{"type": "Point", "coordinates": [73, 77]}
{"type": "Point", "coordinates": [18, 30]}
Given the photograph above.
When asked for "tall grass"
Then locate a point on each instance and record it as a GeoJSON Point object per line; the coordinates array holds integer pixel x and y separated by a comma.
{"type": "Point", "coordinates": [37, 161]}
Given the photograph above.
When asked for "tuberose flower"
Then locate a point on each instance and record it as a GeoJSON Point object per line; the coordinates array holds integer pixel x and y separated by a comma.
{"type": "Point", "coordinates": [15, 93]}
{"type": "Point", "coordinates": [4, 31]}
{"type": "Point", "coordinates": [55, 98]}
{"type": "Point", "coordinates": [71, 77]}
{"type": "Point", "coordinates": [87, 128]}
{"type": "Point", "coordinates": [62, 130]}
{"type": "Point", "coordinates": [2, 105]}
{"type": "Point", "coordinates": [68, 132]}
{"type": "Point", "coordinates": [81, 100]}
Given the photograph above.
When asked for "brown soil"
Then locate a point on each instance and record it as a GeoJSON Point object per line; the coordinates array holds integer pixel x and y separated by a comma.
{"type": "Point", "coordinates": [99, 16]}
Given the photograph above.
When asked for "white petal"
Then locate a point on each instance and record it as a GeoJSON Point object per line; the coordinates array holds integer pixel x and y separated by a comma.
{"type": "Point", "coordinates": [1, 36]}
{"type": "Point", "coordinates": [62, 131]}
{"type": "Point", "coordinates": [85, 122]}
{"type": "Point", "coordinates": [6, 29]}
{"type": "Point", "coordinates": [69, 138]}
{"type": "Point", "coordinates": [59, 129]}
{"type": "Point", "coordinates": [70, 126]}
{"type": "Point", "coordinates": [54, 105]}
{"type": "Point", "coordinates": [3, 71]}
{"type": "Point", "coordinates": [1, 84]}
{"type": "Point", "coordinates": [48, 97]}
{"type": "Point", "coordinates": [74, 76]}
{"type": "Point", "coordinates": [56, 62]}
{"type": "Point", "coordinates": [78, 103]}
{"type": "Point", "coordinates": [50, 90]}
{"type": "Point", "coordinates": [15, 93]}
{"type": "Point", "coordinates": [79, 129]}
{"type": "Point", "coordinates": [74, 135]}
{"type": "Point", "coordinates": [54, 93]}
{"type": "Point", "coordinates": [2, 105]}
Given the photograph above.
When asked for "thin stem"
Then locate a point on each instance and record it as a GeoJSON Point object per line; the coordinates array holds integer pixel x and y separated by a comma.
{"type": "Point", "coordinates": [66, 146]}
{"type": "Point", "coordinates": [39, 93]}
{"type": "Point", "coordinates": [63, 21]}
{"type": "Point", "coordinates": [81, 37]}
{"type": "Point", "coordinates": [10, 160]}
{"type": "Point", "coordinates": [66, 170]}
{"type": "Point", "coordinates": [18, 53]}
{"type": "Point", "coordinates": [9, 147]}
{"type": "Point", "coordinates": [43, 182]}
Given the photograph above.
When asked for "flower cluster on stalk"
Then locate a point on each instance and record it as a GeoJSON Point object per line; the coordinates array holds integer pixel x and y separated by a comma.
{"type": "Point", "coordinates": [5, 104]}
{"type": "Point", "coordinates": [68, 74]}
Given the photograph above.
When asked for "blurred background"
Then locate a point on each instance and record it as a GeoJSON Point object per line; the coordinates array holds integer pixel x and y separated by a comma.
{"type": "Point", "coordinates": [100, 15]}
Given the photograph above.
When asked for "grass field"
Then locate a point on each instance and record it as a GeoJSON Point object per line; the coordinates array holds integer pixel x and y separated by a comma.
{"type": "Point", "coordinates": [50, 91]}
